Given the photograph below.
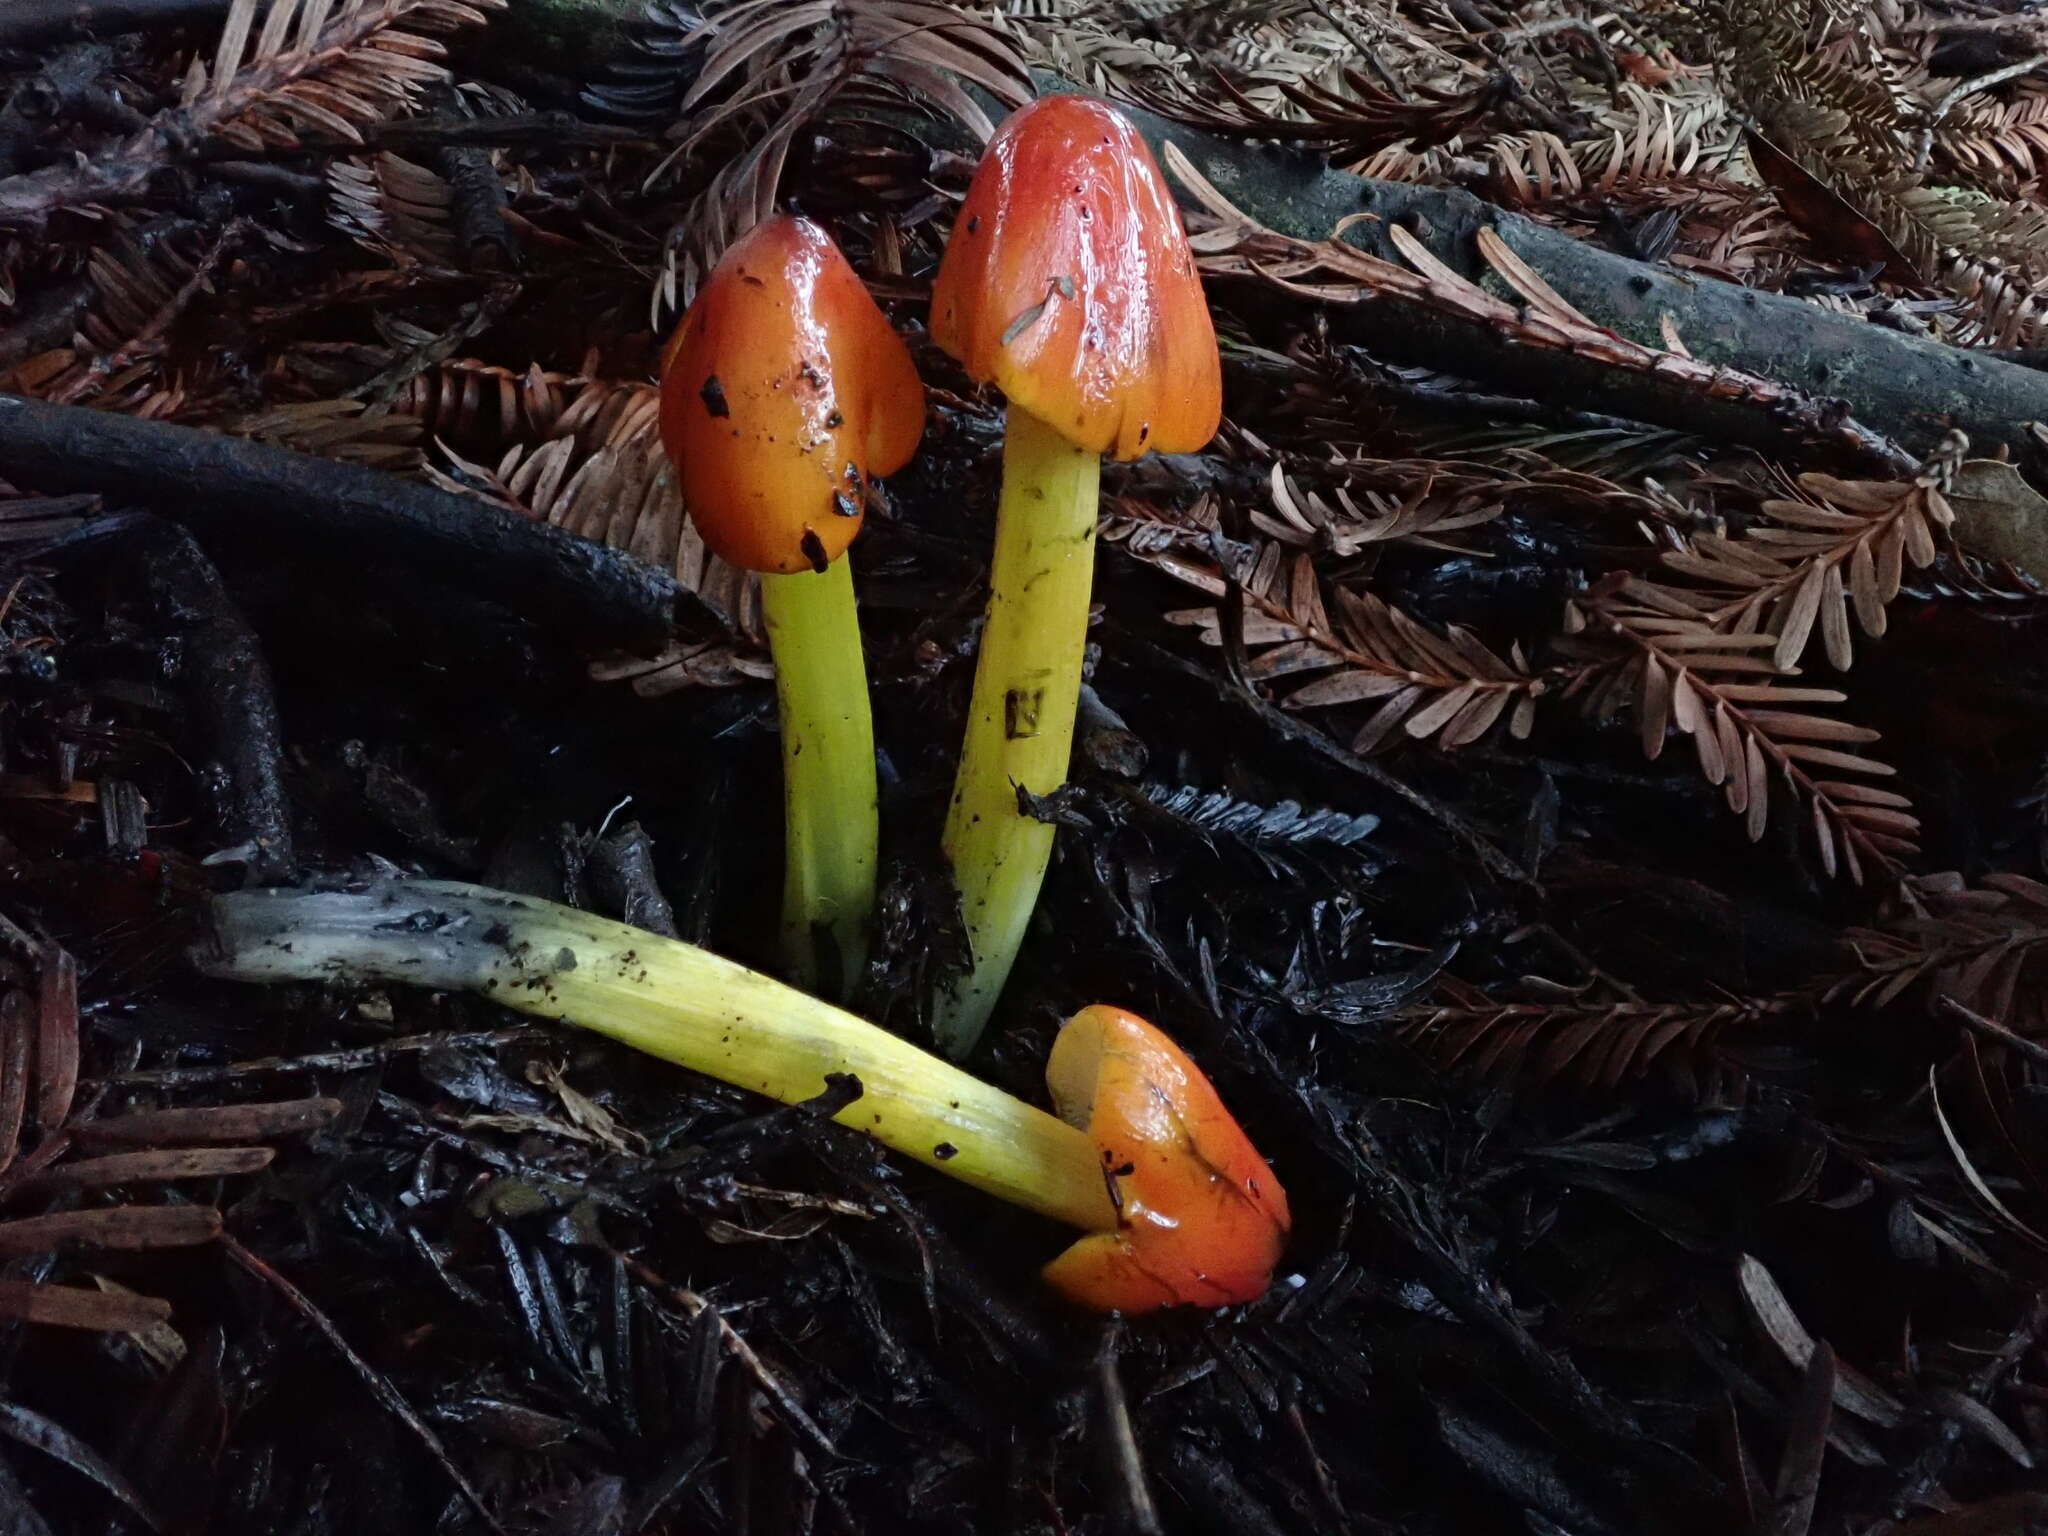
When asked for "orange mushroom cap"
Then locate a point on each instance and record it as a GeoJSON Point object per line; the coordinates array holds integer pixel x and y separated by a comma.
{"type": "Point", "coordinates": [1200, 1218]}
{"type": "Point", "coordinates": [782, 392]}
{"type": "Point", "coordinates": [1068, 283]}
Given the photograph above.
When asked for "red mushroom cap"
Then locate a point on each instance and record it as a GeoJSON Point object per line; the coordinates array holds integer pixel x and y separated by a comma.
{"type": "Point", "coordinates": [782, 391]}
{"type": "Point", "coordinates": [1201, 1219]}
{"type": "Point", "coordinates": [1068, 283]}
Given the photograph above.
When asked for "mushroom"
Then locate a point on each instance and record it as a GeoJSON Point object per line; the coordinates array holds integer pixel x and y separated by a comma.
{"type": "Point", "coordinates": [1200, 1218]}
{"type": "Point", "coordinates": [783, 393]}
{"type": "Point", "coordinates": [1068, 284]}
{"type": "Point", "coordinates": [1143, 1156]}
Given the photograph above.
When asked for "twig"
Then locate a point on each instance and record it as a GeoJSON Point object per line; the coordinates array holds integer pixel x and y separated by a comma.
{"type": "Point", "coordinates": [476, 318]}
{"type": "Point", "coordinates": [1303, 734]}
{"type": "Point", "coordinates": [47, 321]}
{"type": "Point", "coordinates": [1927, 1470]}
{"type": "Point", "coordinates": [1370, 54]}
{"type": "Point", "coordinates": [2033, 1050]}
{"type": "Point", "coordinates": [1610, 73]}
{"type": "Point", "coordinates": [1127, 1463]}
{"type": "Point", "coordinates": [353, 1060]}
{"type": "Point", "coordinates": [801, 1424]}
{"type": "Point", "coordinates": [1962, 90]}
{"type": "Point", "coordinates": [380, 1387]}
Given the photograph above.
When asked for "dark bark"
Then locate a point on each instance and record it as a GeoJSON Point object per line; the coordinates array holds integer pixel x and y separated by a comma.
{"type": "Point", "coordinates": [227, 487]}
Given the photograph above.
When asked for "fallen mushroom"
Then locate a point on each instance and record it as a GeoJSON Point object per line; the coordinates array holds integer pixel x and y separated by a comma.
{"type": "Point", "coordinates": [1144, 1157]}
{"type": "Point", "coordinates": [1200, 1218]}
{"type": "Point", "coordinates": [783, 392]}
{"type": "Point", "coordinates": [1067, 283]}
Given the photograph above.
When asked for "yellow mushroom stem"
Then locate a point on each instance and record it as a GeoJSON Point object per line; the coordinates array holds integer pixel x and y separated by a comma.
{"type": "Point", "coordinates": [671, 1000]}
{"type": "Point", "coordinates": [1020, 722]}
{"type": "Point", "coordinates": [830, 818]}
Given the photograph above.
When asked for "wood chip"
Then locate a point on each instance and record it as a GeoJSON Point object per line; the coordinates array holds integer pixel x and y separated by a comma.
{"type": "Point", "coordinates": [154, 1167]}
{"type": "Point", "coordinates": [123, 1226]}
{"type": "Point", "coordinates": [70, 1306]}
{"type": "Point", "coordinates": [218, 1124]}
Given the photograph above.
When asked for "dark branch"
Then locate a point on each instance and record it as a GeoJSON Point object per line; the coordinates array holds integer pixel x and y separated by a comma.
{"type": "Point", "coordinates": [228, 486]}
{"type": "Point", "coordinates": [23, 22]}
{"type": "Point", "coordinates": [1908, 388]}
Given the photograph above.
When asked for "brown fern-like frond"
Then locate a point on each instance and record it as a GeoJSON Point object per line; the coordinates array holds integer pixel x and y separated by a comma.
{"type": "Point", "coordinates": [110, 1159]}
{"type": "Point", "coordinates": [1352, 121]}
{"type": "Point", "coordinates": [338, 429]}
{"type": "Point", "coordinates": [1093, 50]}
{"type": "Point", "coordinates": [327, 65]}
{"type": "Point", "coordinates": [481, 408]}
{"type": "Point", "coordinates": [1290, 43]}
{"type": "Point", "coordinates": [1449, 687]}
{"type": "Point", "coordinates": [1592, 1045]}
{"type": "Point", "coordinates": [574, 450]}
{"type": "Point", "coordinates": [141, 286]}
{"type": "Point", "coordinates": [1648, 139]}
{"type": "Point", "coordinates": [1658, 135]}
{"type": "Point", "coordinates": [1841, 551]}
{"type": "Point", "coordinates": [1343, 523]}
{"type": "Point", "coordinates": [402, 211]}
{"type": "Point", "coordinates": [1995, 145]}
{"type": "Point", "coordinates": [1984, 945]}
{"type": "Point", "coordinates": [1747, 726]}
{"type": "Point", "coordinates": [773, 67]}
{"type": "Point", "coordinates": [1839, 112]}
{"type": "Point", "coordinates": [1534, 169]}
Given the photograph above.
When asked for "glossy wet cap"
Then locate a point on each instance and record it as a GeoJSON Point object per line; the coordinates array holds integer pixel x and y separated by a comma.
{"type": "Point", "coordinates": [1068, 284]}
{"type": "Point", "coordinates": [1201, 1219]}
{"type": "Point", "coordinates": [782, 391]}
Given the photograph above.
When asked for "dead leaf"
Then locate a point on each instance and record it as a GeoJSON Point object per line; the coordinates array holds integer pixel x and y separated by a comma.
{"type": "Point", "coordinates": [1838, 229]}
{"type": "Point", "coordinates": [1853, 1392]}
{"type": "Point", "coordinates": [790, 1227]}
{"type": "Point", "coordinates": [1999, 516]}
{"type": "Point", "coordinates": [584, 1111]}
{"type": "Point", "coordinates": [1641, 68]}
